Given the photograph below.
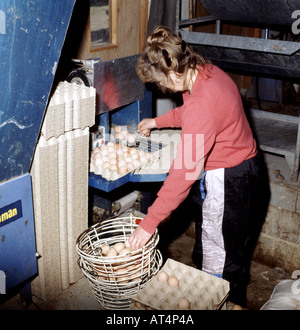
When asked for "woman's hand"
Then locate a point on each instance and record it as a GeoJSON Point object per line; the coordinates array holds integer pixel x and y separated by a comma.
{"type": "Point", "coordinates": [139, 238]}
{"type": "Point", "coordinates": [145, 126]}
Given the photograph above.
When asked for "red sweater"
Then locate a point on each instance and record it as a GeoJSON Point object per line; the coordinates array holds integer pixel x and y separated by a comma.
{"type": "Point", "coordinates": [215, 133]}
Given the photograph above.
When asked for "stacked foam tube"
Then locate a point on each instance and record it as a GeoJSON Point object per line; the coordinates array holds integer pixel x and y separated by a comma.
{"type": "Point", "coordinates": [60, 187]}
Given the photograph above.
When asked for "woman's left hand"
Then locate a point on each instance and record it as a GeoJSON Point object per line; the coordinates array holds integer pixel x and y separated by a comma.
{"type": "Point", "coordinates": [139, 238]}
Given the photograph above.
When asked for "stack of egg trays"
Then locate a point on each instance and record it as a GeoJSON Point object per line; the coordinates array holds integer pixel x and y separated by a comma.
{"type": "Point", "coordinates": [204, 291]}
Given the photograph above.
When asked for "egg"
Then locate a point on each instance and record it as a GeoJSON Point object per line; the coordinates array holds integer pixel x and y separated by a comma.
{"type": "Point", "coordinates": [130, 138]}
{"type": "Point", "coordinates": [132, 151]}
{"type": "Point", "coordinates": [162, 277]}
{"type": "Point", "coordinates": [98, 161]}
{"type": "Point", "coordinates": [130, 166]}
{"type": "Point", "coordinates": [143, 159]}
{"type": "Point", "coordinates": [124, 132]}
{"type": "Point", "coordinates": [173, 281]}
{"type": "Point", "coordinates": [122, 170]}
{"type": "Point", "coordinates": [119, 152]}
{"type": "Point", "coordinates": [141, 153]}
{"type": "Point", "coordinates": [111, 150]}
{"type": "Point", "coordinates": [105, 248]}
{"type": "Point", "coordinates": [134, 156]}
{"type": "Point", "coordinates": [119, 246]}
{"type": "Point", "coordinates": [112, 252]}
{"type": "Point", "coordinates": [113, 161]}
{"type": "Point", "coordinates": [124, 251]}
{"type": "Point", "coordinates": [104, 152]}
{"type": "Point", "coordinates": [149, 155]}
{"type": "Point", "coordinates": [113, 168]}
{"type": "Point", "coordinates": [105, 159]}
{"type": "Point", "coordinates": [183, 304]}
{"type": "Point", "coordinates": [121, 163]}
{"type": "Point", "coordinates": [136, 163]}
{"type": "Point", "coordinates": [112, 155]}
{"type": "Point", "coordinates": [106, 165]}
{"type": "Point", "coordinates": [117, 129]}
{"type": "Point", "coordinates": [125, 149]}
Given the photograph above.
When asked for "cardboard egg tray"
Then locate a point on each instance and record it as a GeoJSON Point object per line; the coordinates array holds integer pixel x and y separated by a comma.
{"type": "Point", "coordinates": [141, 144]}
{"type": "Point", "coordinates": [204, 291]}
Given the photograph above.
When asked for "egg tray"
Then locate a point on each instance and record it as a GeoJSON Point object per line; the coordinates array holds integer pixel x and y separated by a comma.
{"type": "Point", "coordinates": [204, 291]}
{"type": "Point", "coordinates": [115, 279]}
{"type": "Point", "coordinates": [141, 143]}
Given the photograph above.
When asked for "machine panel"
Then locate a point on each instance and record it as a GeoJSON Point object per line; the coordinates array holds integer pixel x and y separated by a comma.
{"type": "Point", "coordinates": [17, 234]}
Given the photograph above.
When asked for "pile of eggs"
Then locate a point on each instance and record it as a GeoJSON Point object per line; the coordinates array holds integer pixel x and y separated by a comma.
{"type": "Point", "coordinates": [123, 265]}
{"type": "Point", "coordinates": [113, 160]}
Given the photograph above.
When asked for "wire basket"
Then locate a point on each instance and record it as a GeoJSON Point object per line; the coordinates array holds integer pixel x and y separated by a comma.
{"type": "Point", "coordinates": [114, 279]}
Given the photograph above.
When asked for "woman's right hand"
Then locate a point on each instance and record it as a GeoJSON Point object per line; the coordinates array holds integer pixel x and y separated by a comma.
{"type": "Point", "coordinates": [145, 126]}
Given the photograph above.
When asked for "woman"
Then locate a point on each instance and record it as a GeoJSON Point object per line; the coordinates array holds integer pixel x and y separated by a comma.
{"type": "Point", "coordinates": [217, 161]}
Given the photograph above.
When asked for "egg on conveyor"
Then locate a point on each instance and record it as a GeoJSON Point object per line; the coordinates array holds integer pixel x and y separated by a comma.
{"type": "Point", "coordinates": [117, 129]}
{"type": "Point", "coordinates": [130, 138]}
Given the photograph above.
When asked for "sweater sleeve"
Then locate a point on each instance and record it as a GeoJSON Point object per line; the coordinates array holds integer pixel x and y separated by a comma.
{"type": "Point", "coordinates": [170, 119]}
{"type": "Point", "coordinates": [185, 170]}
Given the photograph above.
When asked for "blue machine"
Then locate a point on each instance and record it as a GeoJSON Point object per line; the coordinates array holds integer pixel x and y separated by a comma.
{"type": "Point", "coordinates": [32, 34]}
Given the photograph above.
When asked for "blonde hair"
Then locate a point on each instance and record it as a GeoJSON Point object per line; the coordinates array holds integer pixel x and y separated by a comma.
{"type": "Point", "coordinates": [166, 52]}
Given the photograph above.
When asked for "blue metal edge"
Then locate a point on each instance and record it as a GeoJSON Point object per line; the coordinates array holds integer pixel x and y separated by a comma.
{"type": "Point", "coordinates": [98, 182]}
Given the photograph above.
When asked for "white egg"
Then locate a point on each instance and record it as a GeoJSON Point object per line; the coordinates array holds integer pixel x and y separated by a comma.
{"type": "Point", "coordinates": [149, 155]}
{"type": "Point", "coordinates": [132, 151]}
{"type": "Point", "coordinates": [125, 149]}
{"type": "Point", "coordinates": [117, 129]}
{"type": "Point", "coordinates": [124, 132]}
{"type": "Point", "coordinates": [141, 153]}
{"type": "Point", "coordinates": [113, 167]}
{"type": "Point", "coordinates": [130, 166]}
{"type": "Point", "coordinates": [98, 161]}
{"type": "Point", "coordinates": [111, 149]}
{"type": "Point", "coordinates": [136, 163]}
{"type": "Point", "coordinates": [119, 152]}
{"type": "Point", "coordinates": [134, 156]}
{"type": "Point", "coordinates": [122, 163]}
{"type": "Point", "coordinates": [122, 170]}
{"type": "Point", "coordinates": [143, 159]}
{"type": "Point", "coordinates": [105, 159]}
{"type": "Point", "coordinates": [104, 152]}
{"type": "Point", "coordinates": [106, 165]}
{"type": "Point", "coordinates": [110, 144]}
{"type": "Point", "coordinates": [128, 159]}
{"type": "Point", "coordinates": [113, 161]}
{"type": "Point", "coordinates": [112, 155]}
{"type": "Point", "coordinates": [130, 138]}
